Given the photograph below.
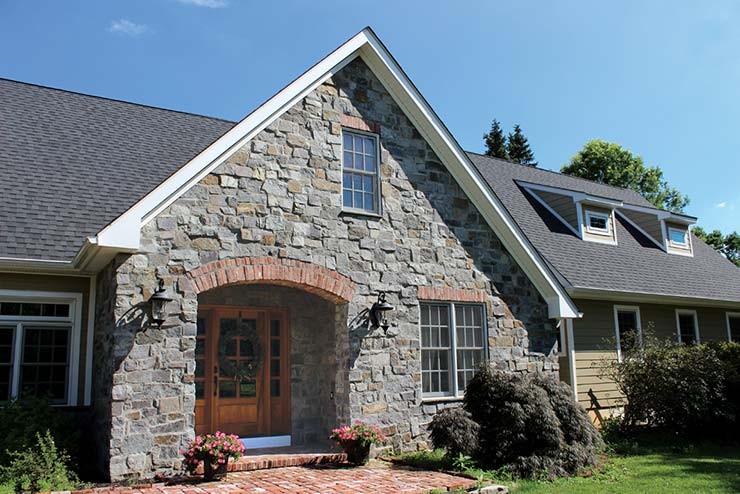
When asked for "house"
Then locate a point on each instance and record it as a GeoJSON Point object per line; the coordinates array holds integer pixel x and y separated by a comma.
{"type": "Point", "coordinates": [334, 256]}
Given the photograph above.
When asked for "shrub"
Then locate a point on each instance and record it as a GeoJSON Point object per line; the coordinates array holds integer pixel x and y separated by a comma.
{"type": "Point", "coordinates": [529, 425]}
{"type": "Point", "coordinates": [729, 355]}
{"type": "Point", "coordinates": [42, 467]}
{"type": "Point", "coordinates": [22, 421]}
{"type": "Point", "coordinates": [453, 430]}
{"type": "Point", "coordinates": [678, 387]}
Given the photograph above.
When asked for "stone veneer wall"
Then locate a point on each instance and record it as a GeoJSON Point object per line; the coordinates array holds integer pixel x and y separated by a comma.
{"type": "Point", "coordinates": [313, 364]}
{"type": "Point", "coordinates": [280, 197]}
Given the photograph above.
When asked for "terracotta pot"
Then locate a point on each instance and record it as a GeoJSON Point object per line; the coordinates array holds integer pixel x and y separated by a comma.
{"type": "Point", "coordinates": [357, 452]}
{"type": "Point", "coordinates": [214, 472]}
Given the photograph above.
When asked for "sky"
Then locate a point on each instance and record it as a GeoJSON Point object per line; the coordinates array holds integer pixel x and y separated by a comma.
{"type": "Point", "coordinates": [660, 78]}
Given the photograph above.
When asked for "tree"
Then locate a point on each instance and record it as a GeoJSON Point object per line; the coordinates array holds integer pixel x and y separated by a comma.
{"type": "Point", "coordinates": [518, 148]}
{"type": "Point", "coordinates": [727, 245]}
{"type": "Point", "coordinates": [496, 142]}
{"type": "Point", "coordinates": [611, 164]}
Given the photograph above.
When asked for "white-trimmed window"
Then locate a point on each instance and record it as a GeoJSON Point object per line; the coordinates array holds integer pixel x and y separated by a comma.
{"type": "Point", "coordinates": [360, 177]}
{"type": "Point", "coordinates": [39, 345]}
{"type": "Point", "coordinates": [678, 237]}
{"type": "Point", "coordinates": [687, 326]}
{"type": "Point", "coordinates": [597, 223]}
{"type": "Point", "coordinates": [733, 326]}
{"type": "Point", "coordinates": [453, 345]}
{"type": "Point", "coordinates": [627, 328]}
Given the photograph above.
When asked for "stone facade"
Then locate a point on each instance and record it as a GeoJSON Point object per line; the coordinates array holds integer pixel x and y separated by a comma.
{"type": "Point", "coordinates": [279, 197]}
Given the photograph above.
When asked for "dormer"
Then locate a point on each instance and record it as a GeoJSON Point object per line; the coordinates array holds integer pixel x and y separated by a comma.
{"type": "Point", "coordinates": [593, 218]}
{"type": "Point", "coordinates": [678, 237]}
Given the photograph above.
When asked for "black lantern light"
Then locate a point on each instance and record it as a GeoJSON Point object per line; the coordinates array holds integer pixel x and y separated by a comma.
{"type": "Point", "coordinates": [158, 304]}
{"type": "Point", "coordinates": [378, 310]}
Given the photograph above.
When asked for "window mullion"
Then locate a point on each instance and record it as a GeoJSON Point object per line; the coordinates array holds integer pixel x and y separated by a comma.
{"type": "Point", "coordinates": [453, 343]}
{"type": "Point", "coordinates": [16, 366]}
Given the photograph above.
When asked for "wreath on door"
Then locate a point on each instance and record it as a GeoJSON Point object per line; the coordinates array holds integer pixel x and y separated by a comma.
{"type": "Point", "coordinates": [241, 370]}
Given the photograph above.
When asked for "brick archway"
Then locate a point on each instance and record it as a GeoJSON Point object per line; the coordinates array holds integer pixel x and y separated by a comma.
{"type": "Point", "coordinates": [306, 276]}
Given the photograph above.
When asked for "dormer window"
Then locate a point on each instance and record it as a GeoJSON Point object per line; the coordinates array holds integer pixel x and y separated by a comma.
{"type": "Point", "coordinates": [597, 223]}
{"type": "Point", "coordinates": [678, 237]}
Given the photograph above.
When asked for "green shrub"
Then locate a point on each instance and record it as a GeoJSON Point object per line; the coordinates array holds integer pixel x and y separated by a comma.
{"type": "Point", "coordinates": [453, 430]}
{"type": "Point", "coordinates": [42, 467]}
{"type": "Point", "coordinates": [678, 387]}
{"type": "Point", "coordinates": [22, 421]}
{"type": "Point", "coordinates": [729, 355]}
{"type": "Point", "coordinates": [529, 425]}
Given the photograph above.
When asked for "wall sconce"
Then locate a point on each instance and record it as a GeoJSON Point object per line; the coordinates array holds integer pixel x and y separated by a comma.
{"type": "Point", "coordinates": [378, 310]}
{"type": "Point", "coordinates": [158, 304]}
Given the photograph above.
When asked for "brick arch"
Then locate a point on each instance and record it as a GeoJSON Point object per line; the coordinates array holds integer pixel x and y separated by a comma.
{"type": "Point", "coordinates": [314, 279]}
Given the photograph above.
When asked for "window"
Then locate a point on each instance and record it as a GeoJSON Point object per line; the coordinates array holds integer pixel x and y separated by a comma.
{"type": "Point", "coordinates": [733, 326]}
{"type": "Point", "coordinates": [360, 180]}
{"type": "Point", "coordinates": [687, 327]}
{"type": "Point", "coordinates": [453, 345]}
{"type": "Point", "coordinates": [597, 223]}
{"type": "Point", "coordinates": [627, 326]}
{"type": "Point", "coordinates": [38, 340]}
{"type": "Point", "coordinates": [678, 237]}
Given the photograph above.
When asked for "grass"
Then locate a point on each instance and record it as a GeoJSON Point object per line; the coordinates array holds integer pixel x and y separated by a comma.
{"type": "Point", "coordinates": [650, 466]}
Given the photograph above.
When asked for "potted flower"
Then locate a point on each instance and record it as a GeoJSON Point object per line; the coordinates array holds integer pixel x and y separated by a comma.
{"type": "Point", "coordinates": [355, 440]}
{"type": "Point", "coordinates": [214, 450]}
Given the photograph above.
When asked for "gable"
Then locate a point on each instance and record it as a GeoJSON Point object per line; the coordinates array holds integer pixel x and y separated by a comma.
{"type": "Point", "coordinates": [124, 233]}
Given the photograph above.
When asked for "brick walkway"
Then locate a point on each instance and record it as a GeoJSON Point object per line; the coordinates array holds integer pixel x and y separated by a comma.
{"type": "Point", "coordinates": [377, 478]}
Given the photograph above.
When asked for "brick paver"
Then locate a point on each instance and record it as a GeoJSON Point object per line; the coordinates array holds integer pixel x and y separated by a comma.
{"type": "Point", "coordinates": [378, 478]}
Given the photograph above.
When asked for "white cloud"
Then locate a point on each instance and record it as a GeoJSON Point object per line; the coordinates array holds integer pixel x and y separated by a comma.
{"type": "Point", "coordinates": [721, 205]}
{"type": "Point", "coordinates": [211, 4]}
{"type": "Point", "coordinates": [124, 26]}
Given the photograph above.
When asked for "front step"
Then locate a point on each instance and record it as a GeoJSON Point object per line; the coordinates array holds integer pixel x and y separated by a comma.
{"type": "Point", "coordinates": [265, 462]}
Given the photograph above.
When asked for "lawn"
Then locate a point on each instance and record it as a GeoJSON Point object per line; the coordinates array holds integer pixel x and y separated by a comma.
{"type": "Point", "coordinates": [704, 467]}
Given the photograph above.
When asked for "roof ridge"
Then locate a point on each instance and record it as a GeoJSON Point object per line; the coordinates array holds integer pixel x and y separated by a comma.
{"type": "Point", "coordinates": [560, 174]}
{"type": "Point", "coordinates": [142, 105]}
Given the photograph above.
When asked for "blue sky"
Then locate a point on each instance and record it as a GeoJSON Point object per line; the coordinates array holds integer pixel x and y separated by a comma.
{"type": "Point", "coordinates": [660, 78]}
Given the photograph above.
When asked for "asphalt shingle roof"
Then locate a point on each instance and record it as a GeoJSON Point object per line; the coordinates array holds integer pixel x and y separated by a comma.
{"type": "Point", "coordinates": [71, 163]}
{"type": "Point", "coordinates": [634, 265]}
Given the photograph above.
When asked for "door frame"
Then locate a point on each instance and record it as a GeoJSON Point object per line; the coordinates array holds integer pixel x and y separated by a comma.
{"type": "Point", "coordinates": [211, 313]}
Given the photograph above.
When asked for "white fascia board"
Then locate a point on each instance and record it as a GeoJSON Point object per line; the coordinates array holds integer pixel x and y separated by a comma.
{"type": "Point", "coordinates": [125, 230]}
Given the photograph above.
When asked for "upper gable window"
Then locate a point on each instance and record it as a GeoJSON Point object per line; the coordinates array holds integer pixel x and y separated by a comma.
{"type": "Point", "coordinates": [597, 223]}
{"type": "Point", "coordinates": [678, 237]}
{"type": "Point", "coordinates": [360, 180]}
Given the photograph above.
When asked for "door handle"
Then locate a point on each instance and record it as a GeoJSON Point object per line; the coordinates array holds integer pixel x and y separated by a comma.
{"type": "Point", "coordinates": [215, 381]}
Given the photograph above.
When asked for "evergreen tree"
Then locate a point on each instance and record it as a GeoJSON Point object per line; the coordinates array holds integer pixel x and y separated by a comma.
{"type": "Point", "coordinates": [496, 142]}
{"type": "Point", "coordinates": [518, 148]}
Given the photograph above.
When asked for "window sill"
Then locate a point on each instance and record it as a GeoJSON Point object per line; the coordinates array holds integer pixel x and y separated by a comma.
{"type": "Point", "coordinates": [359, 212]}
{"type": "Point", "coordinates": [441, 399]}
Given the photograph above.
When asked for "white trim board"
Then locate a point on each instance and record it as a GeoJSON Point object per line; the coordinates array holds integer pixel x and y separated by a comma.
{"type": "Point", "coordinates": [124, 232]}
{"type": "Point", "coordinates": [265, 442]}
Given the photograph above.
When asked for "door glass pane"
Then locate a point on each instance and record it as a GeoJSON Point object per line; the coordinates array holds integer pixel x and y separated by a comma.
{"type": "Point", "coordinates": [247, 389]}
{"type": "Point", "coordinates": [275, 387]}
{"type": "Point", "coordinates": [226, 389]}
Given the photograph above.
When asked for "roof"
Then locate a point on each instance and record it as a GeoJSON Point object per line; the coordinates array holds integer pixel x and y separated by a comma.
{"type": "Point", "coordinates": [72, 163]}
{"type": "Point", "coordinates": [634, 265]}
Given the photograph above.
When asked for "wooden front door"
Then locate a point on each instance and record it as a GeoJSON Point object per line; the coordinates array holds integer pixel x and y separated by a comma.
{"type": "Point", "coordinates": [242, 382]}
